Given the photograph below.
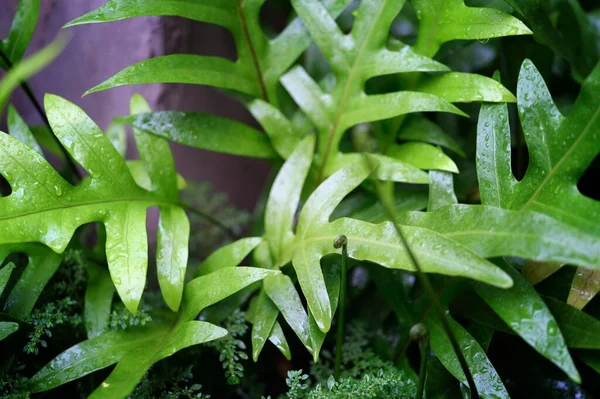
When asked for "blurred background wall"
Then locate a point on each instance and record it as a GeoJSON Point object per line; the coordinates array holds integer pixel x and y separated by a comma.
{"type": "Point", "coordinates": [96, 52]}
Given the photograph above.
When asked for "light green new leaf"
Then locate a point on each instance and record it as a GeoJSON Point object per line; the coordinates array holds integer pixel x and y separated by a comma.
{"type": "Point", "coordinates": [397, 168]}
{"type": "Point", "coordinates": [560, 150]}
{"type": "Point", "coordinates": [445, 20]}
{"type": "Point", "coordinates": [488, 382]}
{"type": "Point", "coordinates": [98, 300]}
{"type": "Point", "coordinates": [525, 312]}
{"type": "Point", "coordinates": [204, 131]}
{"type": "Point", "coordinates": [229, 255]}
{"type": "Point", "coordinates": [260, 63]}
{"type": "Point", "coordinates": [5, 273]}
{"type": "Point", "coordinates": [263, 316]}
{"type": "Point", "coordinates": [19, 129]}
{"type": "Point", "coordinates": [45, 208]}
{"type": "Point", "coordinates": [7, 328]}
{"type": "Point", "coordinates": [28, 67]}
{"type": "Point", "coordinates": [21, 31]}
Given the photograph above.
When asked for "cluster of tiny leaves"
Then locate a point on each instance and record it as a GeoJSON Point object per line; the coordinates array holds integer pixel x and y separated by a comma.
{"type": "Point", "coordinates": [231, 348]}
{"type": "Point", "coordinates": [49, 316]}
{"type": "Point", "coordinates": [72, 274]}
{"type": "Point", "coordinates": [168, 383]}
{"type": "Point", "coordinates": [121, 318]}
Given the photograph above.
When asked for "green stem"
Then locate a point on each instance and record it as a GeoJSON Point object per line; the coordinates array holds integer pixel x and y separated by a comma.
{"type": "Point", "coordinates": [388, 206]}
{"type": "Point", "coordinates": [38, 107]}
{"type": "Point", "coordinates": [341, 241]}
{"type": "Point", "coordinates": [420, 334]}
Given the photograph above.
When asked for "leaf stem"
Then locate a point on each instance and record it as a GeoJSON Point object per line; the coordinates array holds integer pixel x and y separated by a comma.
{"type": "Point", "coordinates": [29, 92]}
{"type": "Point", "coordinates": [420, 334]}
{"type": "Point", "coordinates": [342, 242]}
{"type": "Point", "coordinates": [391, 213]}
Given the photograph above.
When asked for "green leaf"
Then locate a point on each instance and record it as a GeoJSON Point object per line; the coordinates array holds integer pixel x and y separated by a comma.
{"type": "Point", "coordinates": [560, 150]}
{"type": "Point", "coordinates": [204, 131]}
{"type": "Point", "coordinates": [488, 382]}
{"type": "Point", "coordinates": [45, 208]}
{"type": "Point", "coordinates": [117, 135]}
{"type": "Point", "coordinates": [136, 349]}
{"type": "Point", "coordinates": [5, 273]}
{"type": "Point", "coordinates": [284, 197]}
{"type": "Point", "coordinates": [19, 129]}
{"type": "Point", "coordinates": [98, 300]}
{"type": "Point", "coordinates": [390, 168]}
{"type": "Point", "coordinates": [277, 338]}
{"type": "Point", "coordinates": [418, 128]}
{"type": "Point", "coordinates": [281, 291]}
{"type": "Point", "coordinates": [580, 330]}
{"type": "Point", "coordinates": [28, 67]}
{"type": "Point", "coordinates": [21, 31]}
{"type": "Point", "coordinates": [7, 328]}
{"type": "Point", "coordinates": [229, 255]}
{"type": "Point", "coordinates": [264, 317]}
{"type": "Point", "coordinates": [212, 288]}
{"type": "Point", "coordinates": [41, 266]}
{"type": "Point", "coordinates": [260, 64]}
{"type": "Point", "coordinates": [173, 225]}
{"type": "Point", "coordinates": [423, 155]}
{"type": "Point", "coordinates": [526, 313]}
{"type": "Point", "coordinates": [458, 87]}
{"type": "Point", "coordinates": [132, 367]}
{"type": "Point", "coordinates": [493, 232]}
{"type": "Point", "coordinates": [93, 354]}
{"type": "Point", "coordinates": [441, 190]}
{"type": "Point", "coordinates": [442, 21]}
{"type": "Point", "coordinates": [355, 58]}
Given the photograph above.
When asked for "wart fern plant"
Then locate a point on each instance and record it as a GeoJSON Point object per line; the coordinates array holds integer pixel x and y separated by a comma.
{"type": "Point", "coordinates": [343, 140]}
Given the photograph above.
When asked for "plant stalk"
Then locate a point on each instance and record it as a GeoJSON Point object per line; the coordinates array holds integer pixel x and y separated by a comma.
{"type": "Point", "coordinates": [420, 334]}
{"type": "Point", "coordinates": [391, 213]}
{"type": "Point", "coordinates": [341, 241]}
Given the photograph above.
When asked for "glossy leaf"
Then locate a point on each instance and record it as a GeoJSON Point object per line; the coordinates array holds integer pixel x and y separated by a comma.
{"type": "Point", "coordinates": [229, 255]}
{"type": "Point", "coordinates": [204, 131]}
{"type": "Point", "coordinates": [21, 31]}
{"type": "Point", "coordinates": [560, 150]}
{"type": "Point", "coordinates": [422, 155]}
{"type": "Point", "coordinates": [7, 328]}
{"type": "Point", "coordinates": [260, 64]}
{"type": "Point", "coordinates": [441, 190]}
{"type": "Point", "coordinates": [526, 313]}
{"type": "Point", "coordinates": [442, 21]}
{"type": "Point", "coordinates": [458, 87]}
{"type": "Point", "coordinates": [488, 382]}
{"type": "Point", "coordinates": [492, 232]}
{"type": "Point", "coordinates": [45, 208]}
{"type": "Point", "coordinates": [98, 300]}
{"type": "Point", "coordinates": [136, 349]}
{"type": "Point", "coordinates": [264, 317]}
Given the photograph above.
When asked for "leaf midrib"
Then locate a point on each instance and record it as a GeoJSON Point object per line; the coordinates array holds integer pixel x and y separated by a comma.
{"type": "Point", "coordinates": [345, 93]}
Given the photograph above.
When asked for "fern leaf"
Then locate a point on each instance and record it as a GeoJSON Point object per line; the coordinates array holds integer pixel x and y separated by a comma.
{"type": "Point", "coordinates": [45, 208]}
{"type": "Point", "coordinates": [21, 31]}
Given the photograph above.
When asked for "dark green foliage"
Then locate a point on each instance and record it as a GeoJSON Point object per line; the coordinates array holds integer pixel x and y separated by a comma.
{"type": "Point", "coordinates": [46, 319]}
{"type": "Point", "coordinates": [231, 348]}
